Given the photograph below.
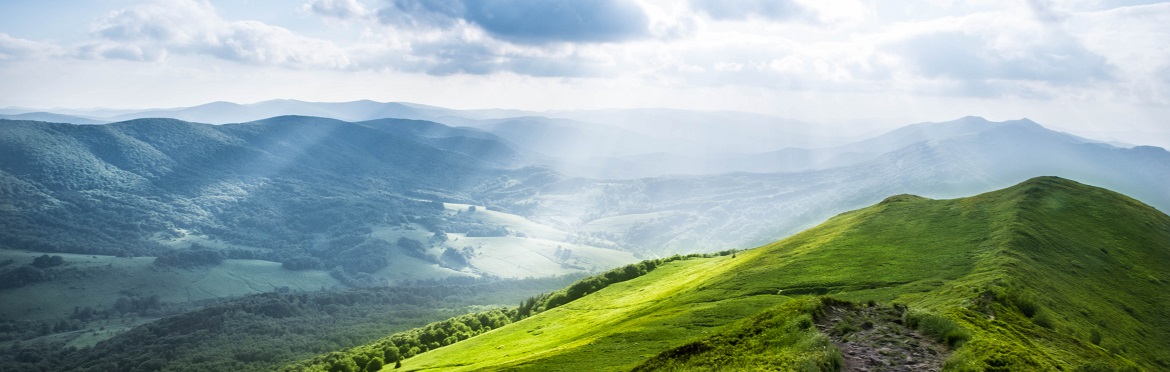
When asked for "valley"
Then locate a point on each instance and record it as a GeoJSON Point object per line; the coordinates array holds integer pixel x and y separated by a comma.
{"type": "Point", "coordinates": [157, 218]}
{"type": "Point", "coordinates": [604, 185]}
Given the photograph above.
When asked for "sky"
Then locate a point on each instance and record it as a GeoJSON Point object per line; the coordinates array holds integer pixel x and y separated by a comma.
{"type": "Point", "coordinates": [1093, 68]}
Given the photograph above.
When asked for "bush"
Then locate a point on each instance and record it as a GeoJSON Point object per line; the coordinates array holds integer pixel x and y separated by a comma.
{"type": "Point", "coordinates": [412, 247]}
{"type": "Point", "coordinates": [940, 328]}
{"type": "Point", "coordinates": [1026, 305]}
{"type": "Point", "coordinates": [1043, 319]}
{"type": "Point", "coordinates": [46, 261]}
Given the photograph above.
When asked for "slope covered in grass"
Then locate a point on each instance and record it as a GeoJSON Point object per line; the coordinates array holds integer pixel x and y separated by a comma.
{"type": "Point", "coordinates": [1048, 274]}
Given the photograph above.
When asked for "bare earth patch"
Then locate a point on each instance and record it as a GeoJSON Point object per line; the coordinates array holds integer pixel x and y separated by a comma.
{"type": "Point", "coordinates": [873, 338]}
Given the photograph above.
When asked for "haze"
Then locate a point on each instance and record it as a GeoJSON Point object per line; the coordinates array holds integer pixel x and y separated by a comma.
{"type": "Point", "coordinates": [1092, 68]}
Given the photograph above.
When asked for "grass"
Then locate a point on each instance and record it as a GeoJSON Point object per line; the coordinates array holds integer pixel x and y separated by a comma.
{"type": "Point", "coordinates": [629, 321]}
{"type": "Point", "coordinates": [1016, 279]}
{"type": "Point", "coordinates": [781, 338]}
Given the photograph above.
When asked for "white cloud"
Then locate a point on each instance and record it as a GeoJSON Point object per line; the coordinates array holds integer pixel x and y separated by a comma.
{"type": "Point", "coordinates": [12, 48]}
{"type": "Point", "coordinates": [1134, 39]}
{"type": "Point", "coordinates": [154, 30]}
{"type": "Point", "coordinates": [336, 9]}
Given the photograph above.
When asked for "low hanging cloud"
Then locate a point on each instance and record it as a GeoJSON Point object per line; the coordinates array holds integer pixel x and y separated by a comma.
{"type": "Point", "coordinates": [531, 22]}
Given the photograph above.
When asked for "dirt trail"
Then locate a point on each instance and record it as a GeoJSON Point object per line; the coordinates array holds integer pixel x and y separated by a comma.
{"type": "Point", "coordinates": [873, 338]}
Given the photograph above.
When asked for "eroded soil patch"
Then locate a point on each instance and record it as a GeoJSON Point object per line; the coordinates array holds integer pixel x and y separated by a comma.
{"type": "Point", "coordinates": [873, 338]}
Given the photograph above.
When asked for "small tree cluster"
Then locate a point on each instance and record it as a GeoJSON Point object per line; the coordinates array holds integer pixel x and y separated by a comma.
{"type": "Point", "coordinates": [46, 261]}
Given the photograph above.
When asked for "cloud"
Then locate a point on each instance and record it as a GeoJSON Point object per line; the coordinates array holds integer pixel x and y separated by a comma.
{"type": "Point", "coordinates": [483, 59]}
{"type": "Point", "coordinates": [337, 9]}
{"type": "Point", "coordinates": [1133, 39]}
{"type": "Point", "coordinates": [966, 56]}
{"type": "Point", "coordinates": [12, 48]}
{"type": "Point", "coordinates": [1047, 12]}
{"type": "Point", "coordinates": [532, 22]}
{"type": "Point", "coordinates": [807, 11]}
{"type": "Point", "coordinates": [1010, 53]}
{"type": "Point", "coordinates": [776, 10]}
{"type": "Point", "coordinates": [153, 30]}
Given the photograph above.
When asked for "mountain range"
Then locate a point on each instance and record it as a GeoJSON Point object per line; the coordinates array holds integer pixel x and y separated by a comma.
{"type": "Point", "coordinates": [745, 200]}
{"type": "Point", "coordinates": [310, 202]}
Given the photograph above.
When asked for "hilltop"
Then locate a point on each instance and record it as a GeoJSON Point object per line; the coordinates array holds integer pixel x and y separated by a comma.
{"type": "Point", "coordinates": [1048, 274]}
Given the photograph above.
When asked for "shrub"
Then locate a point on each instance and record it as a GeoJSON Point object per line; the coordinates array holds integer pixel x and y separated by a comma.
{"type": "Point", "coordinates": [844, 327]}
{"type": "Point", "coordinates": [1026, 305]}
{"type": "Point", "coordinates": [46, 261]}
{"type": "Point", "coordinates": [1043, 319]}
{"type": "Point", "coordinates": [940, 328]}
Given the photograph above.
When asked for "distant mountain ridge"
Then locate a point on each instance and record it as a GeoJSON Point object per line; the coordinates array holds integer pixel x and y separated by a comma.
{"type": "Point", "coordinates": [52, 118]}
{"type": "Point", "coordinates": [670, 214]}
{"type": "Point", "coordinates": [677, 129]}
{"type": "Point", "coordinates": [281, 184]}
{"type": "Point", "coordinates": [796, 159]}
{"type": "Point", "coordinates": [685, 213]}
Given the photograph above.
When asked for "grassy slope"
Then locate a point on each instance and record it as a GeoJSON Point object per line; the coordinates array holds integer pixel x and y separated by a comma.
{"type": "Point", "coordinates": [1081, 258]}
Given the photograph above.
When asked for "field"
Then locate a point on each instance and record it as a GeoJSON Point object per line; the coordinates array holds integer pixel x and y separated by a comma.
{"type": "Point", "coordinates": [97, 281]}
{"type": "Point", "coordinates": [532, 252]}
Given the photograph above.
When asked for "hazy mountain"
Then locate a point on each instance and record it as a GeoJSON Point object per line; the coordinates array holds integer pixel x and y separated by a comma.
{"type": "Point", "coordinates": [476, 143]}
{"type": "Point", "coordinates": [658, 215]}
{"type": "Point", "coordinates": [715, 131]}
{"type": "Point", "coordinates": [278, 189]}
{"type": "Point", "coordinates": [567, 140]}
{"type": "Point", "coordinates": [785, 160]}
{"type": "Point", "coordinates": [624, 131]}
{"type": "Point", "coordinates": [227, 112]}
{"type": "Point", "coordinates": [52, 118]}
{"type": "Point", "coordinates": [680, 213]}
{"type": "Point", "coordinates": [1032, 277]}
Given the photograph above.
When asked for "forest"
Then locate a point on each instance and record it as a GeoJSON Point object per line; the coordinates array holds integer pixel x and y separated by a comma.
{"type": "Point", "coordinates": [260, 332]}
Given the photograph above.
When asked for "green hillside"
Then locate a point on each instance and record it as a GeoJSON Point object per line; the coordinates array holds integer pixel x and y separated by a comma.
{"type": "Point", "coordinates": [1045, 275]}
